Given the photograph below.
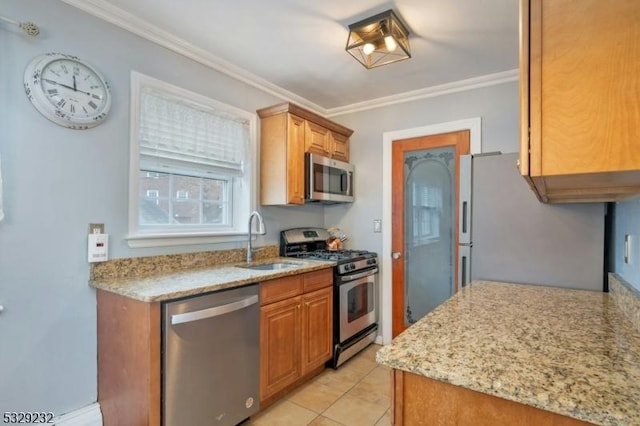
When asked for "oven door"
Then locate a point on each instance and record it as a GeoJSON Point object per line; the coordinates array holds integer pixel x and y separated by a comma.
{"type": "Point", "coordinates": [357, 302]}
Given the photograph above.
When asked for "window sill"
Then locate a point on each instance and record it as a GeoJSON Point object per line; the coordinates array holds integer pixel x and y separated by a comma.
{"type": "Point", "coordinates": [164, 240]}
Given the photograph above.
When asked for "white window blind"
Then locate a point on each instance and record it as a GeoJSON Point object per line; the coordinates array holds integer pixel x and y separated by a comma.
{"type": "Point", "coordinates": [177, 135]}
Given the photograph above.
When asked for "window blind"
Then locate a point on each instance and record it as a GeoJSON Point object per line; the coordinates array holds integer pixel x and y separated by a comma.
{"type": "Point", "coordinates": [178, 135]}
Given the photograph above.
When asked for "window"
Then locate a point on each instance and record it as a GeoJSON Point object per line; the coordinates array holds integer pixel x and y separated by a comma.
{"type": "Point", "coordinates": [192, 166]}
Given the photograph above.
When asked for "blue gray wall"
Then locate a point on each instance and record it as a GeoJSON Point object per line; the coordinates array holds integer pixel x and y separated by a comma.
{"type": "Point", "coordinates": [626, 221]}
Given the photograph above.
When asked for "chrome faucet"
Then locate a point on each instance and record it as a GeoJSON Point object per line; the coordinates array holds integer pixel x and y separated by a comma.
{"type": "Point", "coordinates": [261, 231]}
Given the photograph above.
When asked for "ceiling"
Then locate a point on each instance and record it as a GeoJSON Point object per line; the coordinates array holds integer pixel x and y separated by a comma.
{"type": "Point", "coordinates": [297, 47]}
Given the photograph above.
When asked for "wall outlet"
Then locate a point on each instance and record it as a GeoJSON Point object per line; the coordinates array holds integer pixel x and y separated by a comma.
{"type": "Point", "coordinates": [96, 228]}
{"type": "Point", "coordinates": [631, 249]}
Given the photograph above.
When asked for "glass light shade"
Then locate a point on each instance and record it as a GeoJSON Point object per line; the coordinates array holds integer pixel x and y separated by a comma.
{"type": "Point", "coordinates": [379, 40]}
{"type": "Point", "coordinates": [368, 48]}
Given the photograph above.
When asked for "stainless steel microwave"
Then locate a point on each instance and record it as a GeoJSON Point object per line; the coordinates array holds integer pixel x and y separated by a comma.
{"type": "Point", "coordinates": [327, 180]}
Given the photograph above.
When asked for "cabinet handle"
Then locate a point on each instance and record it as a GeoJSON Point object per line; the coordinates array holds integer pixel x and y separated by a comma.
{"type": "Point", "coordinates": [214, 311]}
{"type": "Point", "coordinates": [298, 306]}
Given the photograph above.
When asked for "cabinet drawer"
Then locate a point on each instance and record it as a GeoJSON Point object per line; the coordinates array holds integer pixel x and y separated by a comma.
{"type": "Point", "coordinates": [280, 289]}
{"type": "Point", "coordinates": [317, 280]}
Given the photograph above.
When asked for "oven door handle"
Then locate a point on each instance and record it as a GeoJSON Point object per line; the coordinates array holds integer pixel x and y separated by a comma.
{"type": "Point", "coordinates": [345, 278]}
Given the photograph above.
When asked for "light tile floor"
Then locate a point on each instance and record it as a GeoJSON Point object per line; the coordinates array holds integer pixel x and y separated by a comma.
{"type": "Point", "coordinates": [356, 394]}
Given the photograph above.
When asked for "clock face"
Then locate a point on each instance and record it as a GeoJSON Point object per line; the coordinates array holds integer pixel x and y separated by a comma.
{"type": "Point", "coordinates": [67, 91]}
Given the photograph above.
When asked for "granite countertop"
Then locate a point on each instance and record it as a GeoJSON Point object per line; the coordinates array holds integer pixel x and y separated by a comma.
{"type": "Point", "coordinates": [190, 282]}
{"type": "Point", "coordinates": [571, 352]}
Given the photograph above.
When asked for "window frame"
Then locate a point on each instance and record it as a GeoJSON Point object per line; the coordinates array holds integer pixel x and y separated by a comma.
{"type": "Point", "coordinates": [245, 199]}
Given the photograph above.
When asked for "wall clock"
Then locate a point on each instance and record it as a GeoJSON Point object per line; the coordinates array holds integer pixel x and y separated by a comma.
{"type": "Point", "coordinates": [67, 90]}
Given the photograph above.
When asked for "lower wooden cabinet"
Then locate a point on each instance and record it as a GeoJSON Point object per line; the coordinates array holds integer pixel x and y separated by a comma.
{"type": "Point", "coordinates": [129, 360]}
{"type": "Point", "coordinates": [417, 400]}
{"type": "Point", "coordinates": [316, 329]}
{"type": "Point", "coordinates": [295, 330]}
{"type": "Point", "coordinates": [295, 342]}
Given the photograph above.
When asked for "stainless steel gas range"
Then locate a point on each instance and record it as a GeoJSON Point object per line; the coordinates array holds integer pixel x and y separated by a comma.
{"type": "Point", "coordinates": [355, 288]}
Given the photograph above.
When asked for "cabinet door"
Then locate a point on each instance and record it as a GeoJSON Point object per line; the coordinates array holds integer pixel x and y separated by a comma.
{"type": "Point", "coordinates": [295, 159]}
{"type": "Point", "coordinates": [317, 338]}
{"type": "Point", "coordinates": [339, 147]}
{"type": "Point", "coordinates": [279, 346]}
{"type": "Point", "coordinates": [317, 139]}
{"type": "Point", "coordinates": [580, 75]}
{"type": "Point", "coordinates": [588, 85]}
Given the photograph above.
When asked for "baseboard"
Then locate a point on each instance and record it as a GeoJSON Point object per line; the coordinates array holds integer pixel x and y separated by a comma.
{"type": "Point", "coordinates": [85, 416]}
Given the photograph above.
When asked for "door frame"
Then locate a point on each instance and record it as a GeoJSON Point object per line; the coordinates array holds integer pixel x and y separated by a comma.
{"type": "Point", "coordinates": [474, 125]}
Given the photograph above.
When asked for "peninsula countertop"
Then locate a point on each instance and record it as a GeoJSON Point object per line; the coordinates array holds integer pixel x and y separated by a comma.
{"type": "Point", "coordinates": [571, 352]}
{"type": "Point", "coordinates": [191, 282]}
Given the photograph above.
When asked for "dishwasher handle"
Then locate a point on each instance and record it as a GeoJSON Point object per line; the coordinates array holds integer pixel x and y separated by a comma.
{"type": "Point", "coordinates": [215, 311]}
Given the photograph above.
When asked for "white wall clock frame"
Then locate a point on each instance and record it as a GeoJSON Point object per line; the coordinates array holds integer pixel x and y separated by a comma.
{"type": "Point", "coordinates": [67, 90]}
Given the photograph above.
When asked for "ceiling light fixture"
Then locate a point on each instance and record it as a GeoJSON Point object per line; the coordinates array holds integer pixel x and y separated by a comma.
{"type": "Point", "coordinates": [379, 40]}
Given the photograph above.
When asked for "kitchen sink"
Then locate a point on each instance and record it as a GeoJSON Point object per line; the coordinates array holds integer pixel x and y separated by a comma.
{"type": "Point", "coordinates": [271, 266]}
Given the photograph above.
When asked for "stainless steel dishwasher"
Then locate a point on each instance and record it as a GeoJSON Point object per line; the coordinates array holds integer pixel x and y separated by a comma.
{"type": "Point", "coordinates": [211, 358]}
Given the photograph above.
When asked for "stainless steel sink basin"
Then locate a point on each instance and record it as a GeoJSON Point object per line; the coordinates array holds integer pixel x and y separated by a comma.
{"type": "Point", "coordinates": [271, 266]}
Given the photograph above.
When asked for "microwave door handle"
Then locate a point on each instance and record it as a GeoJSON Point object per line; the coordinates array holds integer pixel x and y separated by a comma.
{"type": "Point", "coordinates": [349, 178]}
{"type": "Point", "coordinates": [311, 187]}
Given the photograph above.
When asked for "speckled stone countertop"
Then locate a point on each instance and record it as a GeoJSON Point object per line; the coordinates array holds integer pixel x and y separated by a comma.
{"type": "Point", "coordinates": [571, 352]}
{"type": "Point", "coordinates": [190, 282]}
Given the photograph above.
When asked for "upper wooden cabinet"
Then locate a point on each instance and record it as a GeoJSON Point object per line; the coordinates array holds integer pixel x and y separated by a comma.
{"type": "Point", "coordinates": [287, 131]}
{"type": "Point", "coordinates": [580, 108]}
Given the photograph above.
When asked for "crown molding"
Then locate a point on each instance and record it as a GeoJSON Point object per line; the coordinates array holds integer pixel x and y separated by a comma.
{"type": "Point", "coordinates": [116, 16]}
{"type": "Point", "coordinates": [428, 92]}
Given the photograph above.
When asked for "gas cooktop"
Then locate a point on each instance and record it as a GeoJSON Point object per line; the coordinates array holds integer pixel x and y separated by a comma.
{"type": "Point", "coordinates": [335, 255]}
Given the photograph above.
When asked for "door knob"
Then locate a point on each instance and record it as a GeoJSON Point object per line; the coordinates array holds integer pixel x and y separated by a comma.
{"type": "Point", "coordinates": [396, 255]}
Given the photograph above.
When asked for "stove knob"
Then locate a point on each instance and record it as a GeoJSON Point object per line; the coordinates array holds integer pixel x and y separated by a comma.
{"type": "Point", "coordinates": [371, 261]}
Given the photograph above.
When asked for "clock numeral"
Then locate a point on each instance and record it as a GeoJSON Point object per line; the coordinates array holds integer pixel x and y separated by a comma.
{"type": "Point", "coordinates": [64, 68]}
{"type": "Point", "coordinates": [85, 110]}
{"type": "Point", "coordinates": [76, 70]}
{"type": "Point", "coordinates": [62, 103]}
{"type": "Point", "coordinates": [72, 108]}
{"type": "Point", "coordinates": [52, 92]}
{"type": "Point", "coordinates": [94, 96]}
{"type": "Point", "coordinates": [92, 105]}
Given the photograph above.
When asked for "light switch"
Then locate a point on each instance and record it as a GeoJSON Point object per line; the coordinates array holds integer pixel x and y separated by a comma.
{"type": "Point", "coordinates": [377, 225]}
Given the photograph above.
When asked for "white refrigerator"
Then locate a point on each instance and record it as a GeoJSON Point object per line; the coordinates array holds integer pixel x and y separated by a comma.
{"type": "Point", "coordinates": [506, 234]}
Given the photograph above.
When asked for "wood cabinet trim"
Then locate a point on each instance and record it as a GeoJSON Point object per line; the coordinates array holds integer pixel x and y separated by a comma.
{"type": "Point", "coordinates": [306, 114]}
{"type": "Point", "coordinates": [535, 88]}
{"type": "Point", "coordinates": [524, 88]}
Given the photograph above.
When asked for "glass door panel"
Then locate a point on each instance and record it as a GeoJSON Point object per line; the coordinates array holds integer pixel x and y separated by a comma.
{"type": "Point", "coordinates": [429, 227]}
